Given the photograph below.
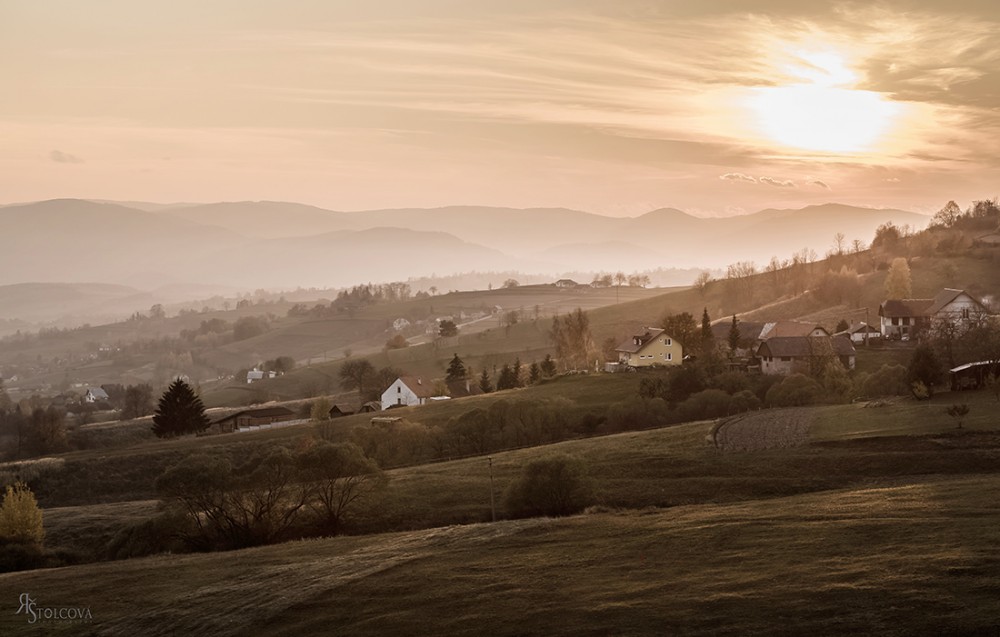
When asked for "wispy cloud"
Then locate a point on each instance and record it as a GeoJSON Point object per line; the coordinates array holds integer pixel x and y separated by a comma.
{"type": "Point", "coordinates": [780, 183]}
{"type": "Point", "coordinates": [738, 177]}
{"type": "Point", "coordinates": [64, 158]}
{"type": "Point", "coordinates": [820, 183]}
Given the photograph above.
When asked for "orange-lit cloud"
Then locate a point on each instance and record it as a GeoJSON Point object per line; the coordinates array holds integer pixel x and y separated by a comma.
{"type": "Point", "coordinates": [610, 107]}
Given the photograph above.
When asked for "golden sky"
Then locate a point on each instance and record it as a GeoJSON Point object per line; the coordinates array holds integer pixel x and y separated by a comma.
{"type": "Point", "coordinates": [715, 107]}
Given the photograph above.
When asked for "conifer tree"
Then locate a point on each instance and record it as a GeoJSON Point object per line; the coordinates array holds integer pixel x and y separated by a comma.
{"type": "Point", "coordinates": [485, 384]}
{"type": "Point", "coordinates": [707, 338]}
{"type": "Point", "coordinates": [548, 366]}
{"type": "Point", "coordinates": [734, 335]}
{"type": "Point", "coordinates": [456, 369]}
{"type": "Point", "coordinates": [179, 412]}
{"type": "Point", "coordinates": [534, 373]}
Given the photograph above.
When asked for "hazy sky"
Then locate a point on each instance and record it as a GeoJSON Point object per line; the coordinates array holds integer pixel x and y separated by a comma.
{"type": "Point", "coordinates": [617, 107]}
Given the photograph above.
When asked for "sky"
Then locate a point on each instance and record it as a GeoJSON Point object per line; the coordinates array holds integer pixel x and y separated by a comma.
{"type": "Point", "coordinates": [716, 107]}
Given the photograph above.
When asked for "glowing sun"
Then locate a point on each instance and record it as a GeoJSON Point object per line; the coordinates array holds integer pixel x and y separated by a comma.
{"type": "Point", "coordinates": [822, 112]}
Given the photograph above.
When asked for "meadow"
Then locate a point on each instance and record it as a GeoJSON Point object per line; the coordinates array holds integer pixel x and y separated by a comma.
{"type": "Point", "coordinates": [911, 557]}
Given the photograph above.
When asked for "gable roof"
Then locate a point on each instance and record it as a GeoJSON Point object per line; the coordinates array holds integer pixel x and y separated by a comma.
{"type": "Point", "coordinates": [263, 412]}
{"type": "Point", "coordinates": [808, 346]}
{"type": "Point", "coordinates": [638, 341]}
{"type": "Point", "coordinates": [748, 329]}
{"type": "Point", "coordinates": [946, 296]}
{"type": "Point", "coordinates": [418, 386]}
{"type": "Point", "coordinates": [860, 328]}
{"type": "Point", "coordinates": [905, 307]}
{"type": "Point", "coordinates": [98, 393]}
{"type": "Point", "coordinates": [788, 328]}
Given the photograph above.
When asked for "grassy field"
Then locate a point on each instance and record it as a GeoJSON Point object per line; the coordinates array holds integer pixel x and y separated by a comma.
{"type": "Point", "coordinates": [914, 558]}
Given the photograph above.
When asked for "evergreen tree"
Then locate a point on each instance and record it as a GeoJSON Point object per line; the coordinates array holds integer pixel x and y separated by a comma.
{"type": "Point", "coordinates": [507, 379]}
{"type": "Point", "coordinates": [517, 372]}
{"type": "Point", "coordinates": [485, 384]}
{"type": "Point", "coordinates": [548, 366]}
{"type": "Point", "coordinates": [179, 412]}
{"type": "Point", "coordinates": [734, 335]}
{"type": "Point", "coordinates": [707, 338]}
{"type": "Point", "coordinates": [534, 373]}
{"type": "Point", "coordinates": [456, 369]}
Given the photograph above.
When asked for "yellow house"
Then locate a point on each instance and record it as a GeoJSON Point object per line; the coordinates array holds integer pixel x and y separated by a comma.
{"type": "Point", "coordinates": [652, 347]}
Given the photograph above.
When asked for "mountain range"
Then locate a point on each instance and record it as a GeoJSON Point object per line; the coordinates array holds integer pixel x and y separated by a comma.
{"type": "Point", "coordinates": [285, 245]}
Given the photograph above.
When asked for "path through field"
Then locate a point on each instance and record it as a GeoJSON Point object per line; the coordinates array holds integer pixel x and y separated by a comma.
{"type": "Point", "coordinates": [770, 429]}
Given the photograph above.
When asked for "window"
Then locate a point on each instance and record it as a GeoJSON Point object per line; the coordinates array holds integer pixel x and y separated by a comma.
{"type": "Point", "coordinates": [965, 313]}
{"type": "Point", "coordinates": [669, 356]}
{"type": "Point", "coordinates": [906, 320]}
{"type": "Point", "coordinates": [399, 390]}
{"type": "Point", "coordinates": [668, 341]}
{"type": "Point", "coordinates": [895, 320]}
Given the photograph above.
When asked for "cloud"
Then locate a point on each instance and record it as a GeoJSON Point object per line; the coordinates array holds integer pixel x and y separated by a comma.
{"type": "Point", "coordinates": [821, 184]}
{"type": "Point", "coordinates": [893, 180]}
{"type": "Point", "coordinates": [64, 158]}
{"type": "Point", "coordinates": [738, 177]}
{"type": "Point", "coordinates": [780, 183]}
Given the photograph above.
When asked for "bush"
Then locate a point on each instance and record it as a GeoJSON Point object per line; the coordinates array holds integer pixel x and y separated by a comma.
{"type": "Point", "coordinates": [553, 486]}
{"type": "Point", "coordinates": [794, 390]}
{"type": "Point", "coordinates": [20, 517]}
{"type": "Point", "coordinates": [888, 380]}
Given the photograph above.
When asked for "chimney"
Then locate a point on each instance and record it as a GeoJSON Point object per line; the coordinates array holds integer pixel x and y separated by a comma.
{"type": "Point", "coordinates": [420, 382]}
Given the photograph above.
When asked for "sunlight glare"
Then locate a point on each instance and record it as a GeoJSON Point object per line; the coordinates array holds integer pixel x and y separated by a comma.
{"type": "Point", "coordinates": [822, 113]}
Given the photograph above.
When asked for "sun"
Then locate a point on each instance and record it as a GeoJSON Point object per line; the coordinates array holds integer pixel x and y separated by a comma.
{"type": "Point", "coordinates": [822, 112]}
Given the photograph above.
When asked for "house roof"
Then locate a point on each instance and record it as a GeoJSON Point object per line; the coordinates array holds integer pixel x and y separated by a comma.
{"type": "Point", "coordinates": [946, 296]}
{"type": "Point", "coordinates": [748, 329]}
{"type": "Point", "coordinates": [638, 341]}
{"type": "Point", "coordinates": [566, 282]}
{"type": "Point", "coordinates": [788, 328]}
{"type": "Point", "coordinates": [860, 328]}
{"type": "Point", "coordinates": [97, 392]}
{"type": "Point", "coordinates": [263, 412]}
{"type": "Point", "coordinates": [462, 388]}
{"type": "Point", "coordinates": [905, 307]}
{"type": "Point", "coordinates": [341, 409]}
{"type": "Point", "coordinates": [419, 386]}
{"type": "Point", "coordinates": [807, 346]}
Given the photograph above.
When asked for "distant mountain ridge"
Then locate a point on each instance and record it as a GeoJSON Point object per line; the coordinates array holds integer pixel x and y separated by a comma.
{"type": "Point", "coordinates": [282, 244]}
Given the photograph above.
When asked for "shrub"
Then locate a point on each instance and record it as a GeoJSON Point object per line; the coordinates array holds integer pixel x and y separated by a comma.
{"type": "Point", "coordinates": [20, 517]}
{"type": "Point", "coordinates": [553, 486]}
{"type": "Point", "coordinates": [794, 390]}
{"type": "Point", "coordinates": [888, 380]}
{"type": "Point", "coordinates": [320, 409]}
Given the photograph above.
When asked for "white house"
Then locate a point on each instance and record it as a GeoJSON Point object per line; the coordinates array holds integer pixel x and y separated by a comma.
{"type": "Point", "coordinates": [95, 394]}
{"type": "Point", "coordinates": [858, 332]}
{"type": "Point", "coordinates": [400, 324]}
{"type": "Point", "coordinates": [407, 390]}
{"type": "Point", "coordinates": [901, 318]}
{"type": "Point", "coordinates": [256, 374]}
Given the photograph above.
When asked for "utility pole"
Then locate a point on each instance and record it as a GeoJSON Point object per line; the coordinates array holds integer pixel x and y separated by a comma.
{"type": "Point", "coordinates": [493, 505]}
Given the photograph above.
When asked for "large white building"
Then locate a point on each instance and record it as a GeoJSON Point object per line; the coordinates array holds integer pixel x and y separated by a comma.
{"type": "Point", "coordinates": [407, 390]}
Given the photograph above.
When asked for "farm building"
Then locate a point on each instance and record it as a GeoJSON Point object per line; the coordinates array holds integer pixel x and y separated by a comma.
{"type": "Point", "coordinates": [786, 355]}
{"type": "Point", "coordinates": [251, 418]}
{"type": "Point", "coordinates": [338, 411]}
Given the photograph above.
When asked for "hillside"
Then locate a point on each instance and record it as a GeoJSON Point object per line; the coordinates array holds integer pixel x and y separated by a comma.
{"type": "Point", "coordinates": [273, 244]}
{"type": "Point", "coordinates": [807, 531]}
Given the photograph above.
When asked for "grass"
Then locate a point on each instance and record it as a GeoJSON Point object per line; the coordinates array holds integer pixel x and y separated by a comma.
{"type": "Point", "coordinates": [905, 417]}
{"type": "Point", "coordinates": [917, 557]}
